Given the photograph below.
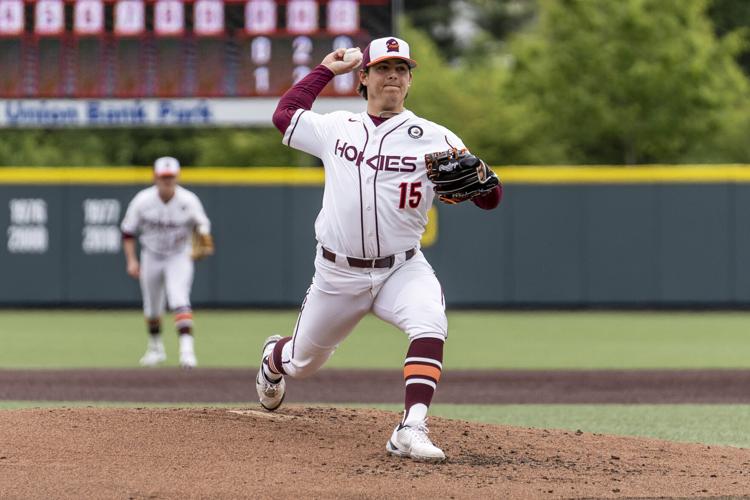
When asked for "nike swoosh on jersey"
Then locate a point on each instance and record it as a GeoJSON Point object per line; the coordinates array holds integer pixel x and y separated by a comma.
{"type": "Point", "coordinates": [353, 120]}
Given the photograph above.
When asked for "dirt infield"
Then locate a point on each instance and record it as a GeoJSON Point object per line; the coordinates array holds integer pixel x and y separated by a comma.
{"type": "Point", "coordinates": [382, 386]}
{"type": "Point", "coordinates": [314, 452]}
{"type": "Point", "coordinates": [336, 453]}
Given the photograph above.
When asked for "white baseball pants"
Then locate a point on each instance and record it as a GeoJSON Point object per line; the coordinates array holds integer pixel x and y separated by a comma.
{"type": "Point", "coordinates": [165, 279]}
{"type": "Point", "coordinates": [408, 296]}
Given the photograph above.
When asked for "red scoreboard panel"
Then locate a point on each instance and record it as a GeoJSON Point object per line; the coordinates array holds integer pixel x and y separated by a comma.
{"type": "Point", "coordinates": [175, 48]}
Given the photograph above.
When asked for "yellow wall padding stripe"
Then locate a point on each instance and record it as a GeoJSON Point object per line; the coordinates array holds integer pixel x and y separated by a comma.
{"type": "Point", "coordinates": [698, 174]}
{"type": "Point", "coordinates": [261, 176]}
{"type": "Point", "coordinates": [313, 176]}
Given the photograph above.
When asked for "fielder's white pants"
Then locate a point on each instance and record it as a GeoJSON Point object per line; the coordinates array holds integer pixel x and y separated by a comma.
{"type": "Point", "coordinates": [165, 279]}
{"type": "Point", "coordinates": [408, 296]}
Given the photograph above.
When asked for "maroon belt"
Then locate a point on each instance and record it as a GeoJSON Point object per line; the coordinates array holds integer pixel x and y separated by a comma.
{"type": "Point", "coordinates": [380, 262]}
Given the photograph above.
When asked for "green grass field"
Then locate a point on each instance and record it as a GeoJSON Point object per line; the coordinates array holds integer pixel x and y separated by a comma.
{"type": "Point", "coordinates": [502, 340]}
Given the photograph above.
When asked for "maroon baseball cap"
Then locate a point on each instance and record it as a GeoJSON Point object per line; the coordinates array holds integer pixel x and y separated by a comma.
{"type": "Point", "coordinates": [387, 48]}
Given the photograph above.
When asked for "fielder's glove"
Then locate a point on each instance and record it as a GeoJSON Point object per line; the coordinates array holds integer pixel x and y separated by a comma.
{"type": "Point", "coordinates": [459, 175]}
{"type": "Point", "coordinates": [203, 246]}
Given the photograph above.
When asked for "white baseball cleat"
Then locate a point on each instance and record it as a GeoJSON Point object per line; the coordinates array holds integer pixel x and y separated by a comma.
{"type": "Point", "coordinates": [154, 356]}
{"type": "Point", "coordinates": [270, 394]}
{"type": "Point", "coordinates": [188, 360]}
{"type": "Point", "coordinates": [411, 441]}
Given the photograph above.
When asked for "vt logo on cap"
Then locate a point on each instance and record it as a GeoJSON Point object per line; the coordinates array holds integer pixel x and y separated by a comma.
{"type": "Point", "coordinates": [387, 48]}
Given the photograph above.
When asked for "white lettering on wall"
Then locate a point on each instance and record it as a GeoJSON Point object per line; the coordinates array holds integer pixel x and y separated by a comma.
{"type": "Point", "coordinates": [101, 233]}
{"type": "Point", "coordinates": [101, 239]}
{"type": "Point", "coordinates": [27, 232]}
{"type": "Point", "coordinates": [27, 239]}
{"type": "Point", "coordinates": [28, 211]}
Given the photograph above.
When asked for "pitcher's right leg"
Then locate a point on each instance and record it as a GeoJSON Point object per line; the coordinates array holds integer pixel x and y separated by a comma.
{"type": "Point", "coordinates": [335, 302]}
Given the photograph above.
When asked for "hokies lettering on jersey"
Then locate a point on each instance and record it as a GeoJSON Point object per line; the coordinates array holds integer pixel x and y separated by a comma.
{"type": "Point", "coordinates": [376, 195]}
{"type": "Point", "coordinates": [389, 163]}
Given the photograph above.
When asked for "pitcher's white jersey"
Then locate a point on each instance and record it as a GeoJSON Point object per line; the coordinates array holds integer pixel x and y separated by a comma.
{"type": "Point", "coordinates": [377, 193]}
{"type": "Point", "coordinates": [165, 228]}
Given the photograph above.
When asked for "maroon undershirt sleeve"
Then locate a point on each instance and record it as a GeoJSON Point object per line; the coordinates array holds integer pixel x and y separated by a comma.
{"type": "Point", "coordinates": [301, 96]}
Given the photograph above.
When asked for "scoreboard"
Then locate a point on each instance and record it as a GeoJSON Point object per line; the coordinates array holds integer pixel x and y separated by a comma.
{"type": "Point", "coordinates": [176, 49]}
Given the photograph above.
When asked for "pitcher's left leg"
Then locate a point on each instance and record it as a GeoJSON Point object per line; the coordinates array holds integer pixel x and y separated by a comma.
{"type": "Point", "coordinates": [412, 299]}
{"type": "Point", "coordinates": [335, 302]}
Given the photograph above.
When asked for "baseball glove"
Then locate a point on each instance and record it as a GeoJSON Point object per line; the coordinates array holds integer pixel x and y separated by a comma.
{"type": "Point", "coordinates": [203, 245]}
{"type": "Point", "coordinates": [459, 175]}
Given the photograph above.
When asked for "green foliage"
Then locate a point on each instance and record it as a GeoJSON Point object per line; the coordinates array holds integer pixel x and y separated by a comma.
{"type": "Point", "coordinates": [238, 148]}
{"type": "Point", "coordinates": [34, 147]}
{"type": "Point", "coordinates": [629, 82]}
{"type": "Point", "coordinates": [489, 22]}
{"type": "Point", "coordinates": [732, 16]}
{"type": "Point", "coordinates": [470, 100]}
{"type": "Point", "coordinates": [433, 18]}
{"type": "Point", "coordinates": [497, 21]}
{"type": "Point", "coordinates": [228, 147]}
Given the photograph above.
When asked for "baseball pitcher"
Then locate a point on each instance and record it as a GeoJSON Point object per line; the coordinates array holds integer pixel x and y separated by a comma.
{"type": "Point", "coordinates": [383, 168]}
{"type": "Point", "coordinates": [165, 218]}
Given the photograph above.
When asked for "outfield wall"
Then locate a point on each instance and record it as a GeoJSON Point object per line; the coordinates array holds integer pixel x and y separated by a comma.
{"type": "Point", "coordinates": [647, 236]}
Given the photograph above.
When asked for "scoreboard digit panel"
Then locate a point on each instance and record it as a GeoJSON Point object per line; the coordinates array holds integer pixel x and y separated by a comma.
{"type": "Point", "coordinates": [177, 48]}
{"type": "Point", "coordinates": [271, 65]}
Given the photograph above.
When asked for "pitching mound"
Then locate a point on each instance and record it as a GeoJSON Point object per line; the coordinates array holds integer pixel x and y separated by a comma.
{"type": "Point", "coordinates": [304, 452]}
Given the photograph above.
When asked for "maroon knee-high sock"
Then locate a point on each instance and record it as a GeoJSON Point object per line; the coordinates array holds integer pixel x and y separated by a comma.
{"type": "Point", "coordinates": [422, 367]}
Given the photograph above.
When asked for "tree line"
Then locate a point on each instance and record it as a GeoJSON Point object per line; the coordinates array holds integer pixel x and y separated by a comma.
{"type": "Point", "coordinates": [557, 82]}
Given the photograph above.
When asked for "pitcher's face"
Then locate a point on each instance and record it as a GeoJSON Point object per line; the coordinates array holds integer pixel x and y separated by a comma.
{"type": "Point", "coordinates": [387, 84]}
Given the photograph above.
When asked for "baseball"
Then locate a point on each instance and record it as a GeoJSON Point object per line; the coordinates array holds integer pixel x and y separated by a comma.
{"type": "Point", "coordinates": [353, 54]}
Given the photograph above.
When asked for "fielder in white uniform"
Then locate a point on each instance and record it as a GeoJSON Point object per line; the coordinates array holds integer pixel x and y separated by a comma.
{"type": "Point", "coordinates": [374, 212]}
{"type": "Point", "coordinates": [163, 217]}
